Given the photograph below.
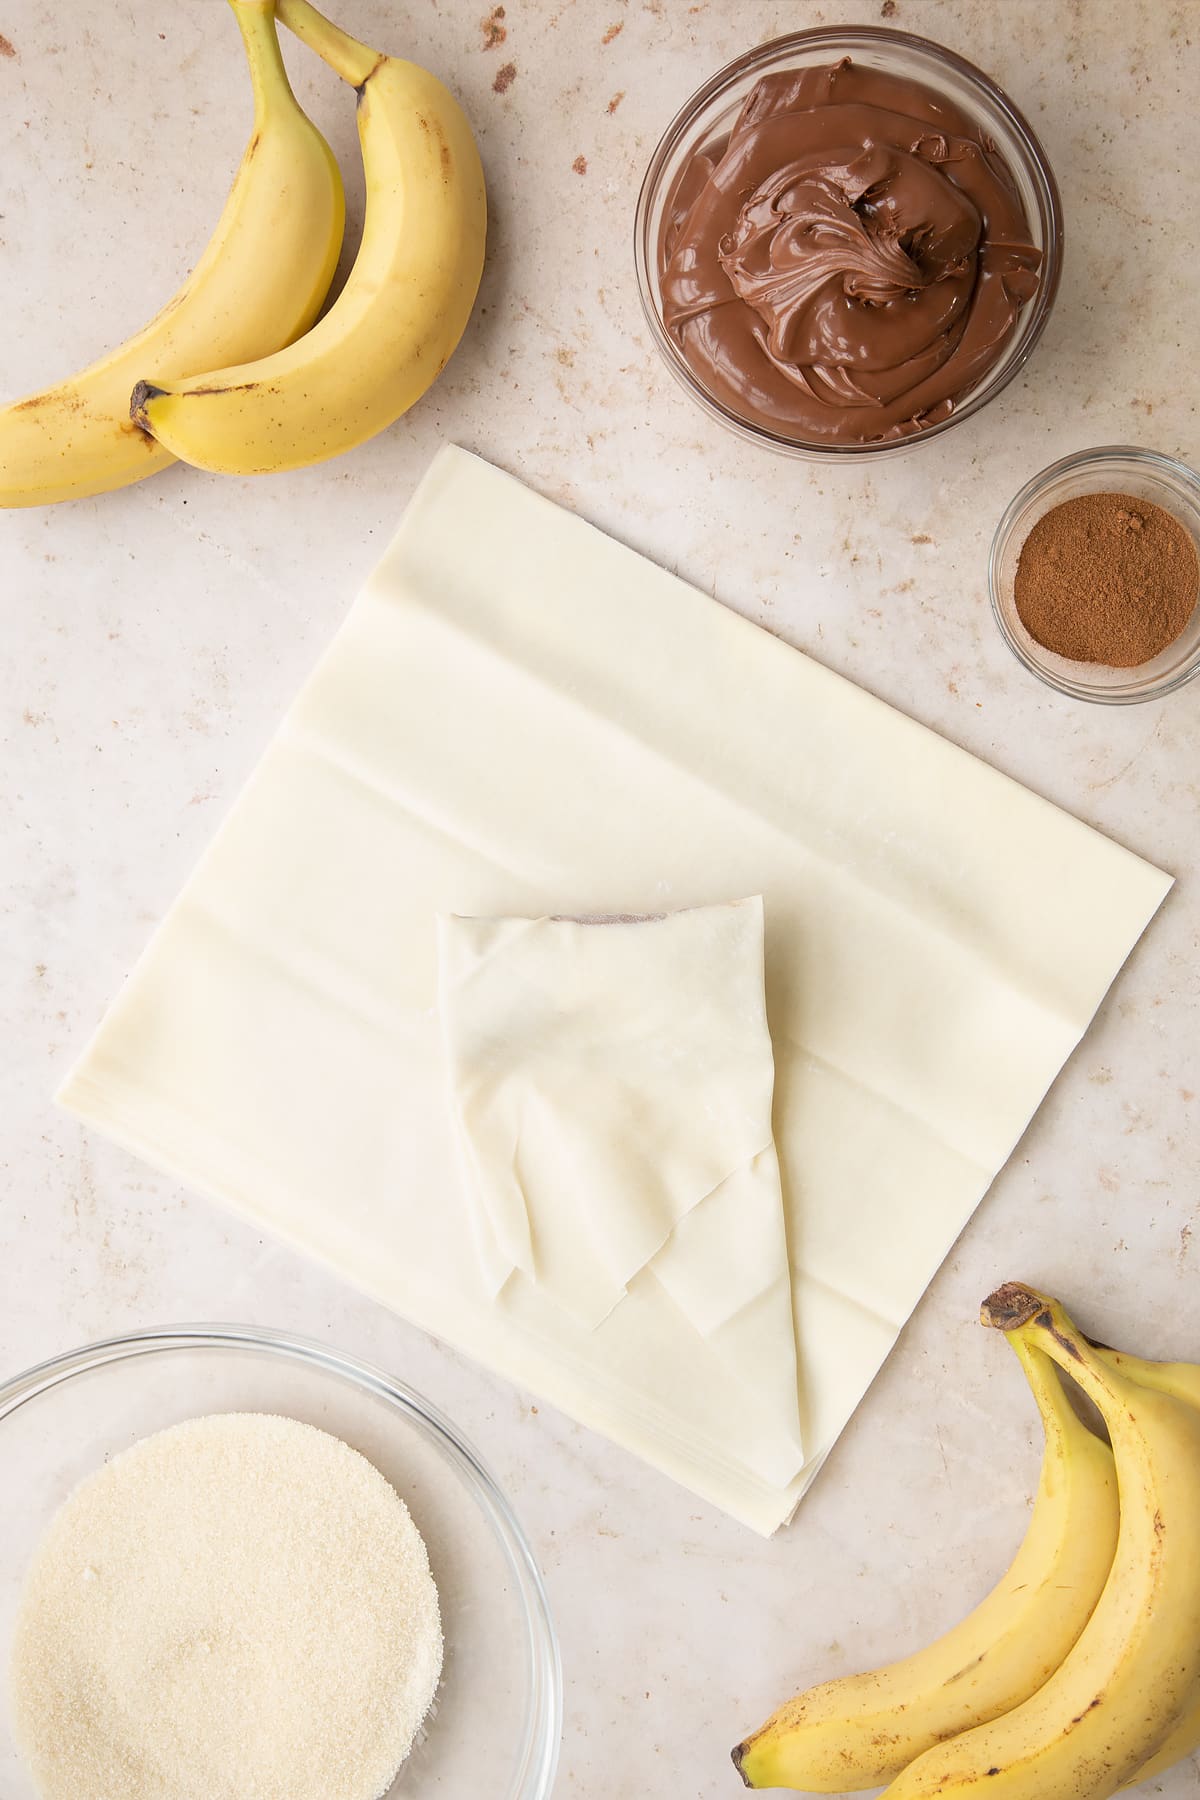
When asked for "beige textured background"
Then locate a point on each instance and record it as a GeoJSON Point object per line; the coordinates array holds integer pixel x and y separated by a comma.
{"type": "Point", "coordinates": [151, 639]}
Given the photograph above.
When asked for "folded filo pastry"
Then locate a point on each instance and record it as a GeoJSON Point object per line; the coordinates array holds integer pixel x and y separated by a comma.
{"type": "Point", "coordinates": [610, 1081]}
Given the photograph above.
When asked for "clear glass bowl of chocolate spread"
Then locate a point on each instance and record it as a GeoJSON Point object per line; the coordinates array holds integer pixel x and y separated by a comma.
{"type": "Point", "coordinates": [847, 241]}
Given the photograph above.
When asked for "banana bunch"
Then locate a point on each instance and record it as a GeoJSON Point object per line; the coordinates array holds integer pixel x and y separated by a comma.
{"type": "Point", "coordinates": [1079, 1675]}
{"type": "Point", "coordinates": [236, 373]}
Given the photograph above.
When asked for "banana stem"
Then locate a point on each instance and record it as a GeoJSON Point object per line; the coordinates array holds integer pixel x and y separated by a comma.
{"type": "Point", "coordinates": [1059, 1418]}
{"type": "Point", "coordinates": [268, 77]}
{"type": "Point", "coordinates": [1026, 1316]}
{"type": "Point", "coordinates": [353, 61]}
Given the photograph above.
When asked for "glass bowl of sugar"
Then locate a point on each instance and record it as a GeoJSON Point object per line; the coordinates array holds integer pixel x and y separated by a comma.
{"type": "Point", "coordinates": [493, 1729]}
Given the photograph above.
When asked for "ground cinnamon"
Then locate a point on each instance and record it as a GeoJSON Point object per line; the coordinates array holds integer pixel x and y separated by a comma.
{"type": "Point", "coordinates": [1107, 578]}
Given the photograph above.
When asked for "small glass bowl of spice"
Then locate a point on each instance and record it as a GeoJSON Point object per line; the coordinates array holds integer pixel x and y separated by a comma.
{"type": "Point", "coordinates": [1094, 575]}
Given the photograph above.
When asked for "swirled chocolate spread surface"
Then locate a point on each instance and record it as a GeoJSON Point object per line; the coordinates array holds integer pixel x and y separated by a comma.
{"type": "Point", "coordinates": [849, 261]}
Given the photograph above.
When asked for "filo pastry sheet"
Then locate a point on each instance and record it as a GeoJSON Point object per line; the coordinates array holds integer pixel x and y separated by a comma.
{"type": "Point", "coordinates": [520, 718]}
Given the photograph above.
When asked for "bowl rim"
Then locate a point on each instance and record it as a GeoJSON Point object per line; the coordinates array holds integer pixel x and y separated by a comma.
{"type": "Point", "coordinates": [832, 36]}
{"type": "Point", "coordinates": [1100, 456]}
{"type": "Point", "coordinates": [534, 1777]}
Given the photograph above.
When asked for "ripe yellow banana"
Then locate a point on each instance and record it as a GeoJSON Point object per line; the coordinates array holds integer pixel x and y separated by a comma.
{"type": "Point", "coordinates": [861, 1731]}
{"type": "Point", "coordinates": [1183, 1381]}
{"type": "Point", "coordinates": [259, 284]}
{"type": "Point", "coordinates": [405, 305]}
{"type": "Point", "coordinates": [1135, 1670]}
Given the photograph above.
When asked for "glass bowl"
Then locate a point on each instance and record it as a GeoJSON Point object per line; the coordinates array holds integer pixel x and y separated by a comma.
{"type": "Point", "coordinates": [494, 1730]}
{"type": "Point", "coordinates": [710, 114]}
{"type": "Point", "coordinates": [1115, 468]}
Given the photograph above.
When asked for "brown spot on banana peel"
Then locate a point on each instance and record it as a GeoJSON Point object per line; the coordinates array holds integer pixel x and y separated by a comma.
{"type": "Point", "coordinates": [63, 402]}
{"type": "Point", "coordinates": [967, 1669]}
{"type": "Point", "coordinates": [225, 387]}
{"type": "Point", "coordinates": [145, 391]}
{"type": "Point", "coordinates": [736, 1755]}
{"type": "Point", "coordinates": [432, 129]}
{"type": "Point", "coordinates": [131, 428]}
{"type": "Point", "coordinates": [360, 90]}
{"type": "Point", "coordinates": [1045, 1323]}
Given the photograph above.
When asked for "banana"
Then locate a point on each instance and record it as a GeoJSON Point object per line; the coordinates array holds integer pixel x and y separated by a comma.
{"type": "Point", "coordinates": [1135, 1669]}
{"type": "Point", "coordinates": [1183, 1381]}
{"type": "Point", "coordinates": [861, 1731]}
{"type": "Point", "coordinates": [406, 301]}
{"type": "Point", "coordinates": [260, 283]}
{"type": "Point", "coordinates": [1177, 1378]}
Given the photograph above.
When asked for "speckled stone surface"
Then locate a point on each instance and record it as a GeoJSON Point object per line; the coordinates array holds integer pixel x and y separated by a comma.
{"type": "Point", "coordinates": [152, 638]}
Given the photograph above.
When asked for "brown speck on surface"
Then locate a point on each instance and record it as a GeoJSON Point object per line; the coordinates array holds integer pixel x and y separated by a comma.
{"type": "Point", "coordinates": [6, 48]}
{"type": "Point", "coordinates": [615, 101]}
{"type": "Point", "coordinates": [614, 31]}
{"type": "Point", "coordinates": [494, 31]}
{"type": "Point", "coordinates": [565, 357]}
{"type": "Point", "coordinates": [580, 165]}
{"type": "Point", "coordinates": [888, 9]}
{"type": "Point", "coordinates": [504, 78]}
{"type": "Point", "coordinates": [920, 537]}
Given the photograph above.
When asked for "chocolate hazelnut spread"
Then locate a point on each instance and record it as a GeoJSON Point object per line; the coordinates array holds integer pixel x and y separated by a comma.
{"type": "Point", "coordinates": [849, 261]}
